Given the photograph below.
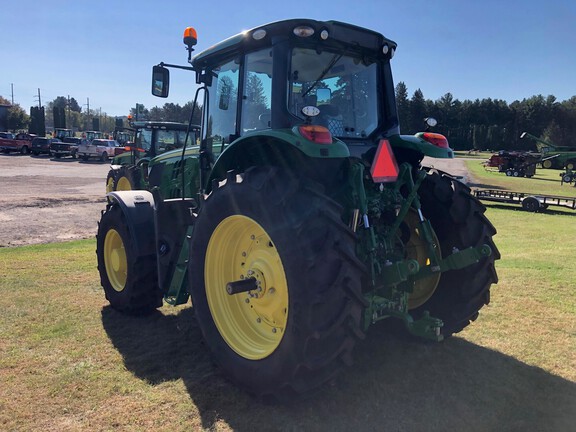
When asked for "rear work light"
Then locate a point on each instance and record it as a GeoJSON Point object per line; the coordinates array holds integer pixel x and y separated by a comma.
{"type": "Point", "coordinates": [303, 31]}
{"type": "Point", "coordinates": [436, 139]}
{"type": "Point", "coordinates": [316, 134]}
{"type": "Point", "coordinates": [384, 167]}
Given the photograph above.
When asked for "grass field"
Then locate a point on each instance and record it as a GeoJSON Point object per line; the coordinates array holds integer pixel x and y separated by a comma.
{"type": "Point", "coordinates": [68, 362]}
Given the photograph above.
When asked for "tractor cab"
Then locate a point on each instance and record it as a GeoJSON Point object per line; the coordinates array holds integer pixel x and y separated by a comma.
{"type": "Point", "coordinates": [328, 79]}
{"type": "Point", "coordinates": [92, 135]}
{"type": "Point", "coordinates": [62, 133]}
{"type": "Point", "coordinates": [302, 83]}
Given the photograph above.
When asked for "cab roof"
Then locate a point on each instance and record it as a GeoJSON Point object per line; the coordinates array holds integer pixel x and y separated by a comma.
{"type": "Point", "coordinates": [340, 34]}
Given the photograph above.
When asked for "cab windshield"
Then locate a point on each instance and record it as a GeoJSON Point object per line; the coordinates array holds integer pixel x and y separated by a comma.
{"type": "Point", "coordinates": [341, 86]}
{"type": "Point", "coordinates": [165, 139]}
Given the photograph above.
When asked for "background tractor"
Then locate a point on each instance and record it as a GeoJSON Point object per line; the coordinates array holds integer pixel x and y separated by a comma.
{"type": "Point", "coordinates": [302, 217]}
{"type": "Point", "coordinates": [554, 156]}
{"type": "Point", "coordinates": [129, 170]}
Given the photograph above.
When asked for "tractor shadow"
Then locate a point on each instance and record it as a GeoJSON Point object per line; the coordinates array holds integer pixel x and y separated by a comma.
{"type": "Point", "coordinates": [397, 383]}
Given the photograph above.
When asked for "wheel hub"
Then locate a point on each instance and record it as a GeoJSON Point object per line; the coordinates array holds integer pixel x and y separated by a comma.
{"type": "Point", "coordinates": [417, 249]}
{"type": "Point", "coordinates": [259, 292]}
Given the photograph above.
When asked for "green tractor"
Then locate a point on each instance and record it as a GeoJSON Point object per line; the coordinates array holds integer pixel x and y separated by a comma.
{"type": "Point", "coordinates": [129, 170]}
{"type": "Point", "coordinates": [553, 156]}
{"type": "Point", "coordinates": [302, 217]}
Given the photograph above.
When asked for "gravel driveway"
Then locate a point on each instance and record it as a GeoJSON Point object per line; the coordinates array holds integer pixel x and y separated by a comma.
{"type": "Point", "coordinates": [44, 200]}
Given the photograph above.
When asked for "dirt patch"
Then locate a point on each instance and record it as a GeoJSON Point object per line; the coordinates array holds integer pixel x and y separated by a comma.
{"type": "Point", "coordinates": [44, 200]}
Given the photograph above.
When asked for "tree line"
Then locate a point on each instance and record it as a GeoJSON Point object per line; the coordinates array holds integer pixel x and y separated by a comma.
{"type": "Point", "coordinates": [168, 112]}
{"type": "Point", "coordinates": [482, 124]}
{"type": "Point", "coordinates": [490, 124]}
{"type": "Point", "coordinates": [80, 119]}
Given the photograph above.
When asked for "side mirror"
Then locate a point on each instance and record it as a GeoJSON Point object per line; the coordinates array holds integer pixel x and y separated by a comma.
{"type": "Point", "coordinates": [160, 81]}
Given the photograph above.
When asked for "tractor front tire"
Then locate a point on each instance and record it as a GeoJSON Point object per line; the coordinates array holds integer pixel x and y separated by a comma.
{"type": "Point", "coordinates": [458, 220]}
{"type": "Point", "coordinates": [126, 179]}
{"type": "Point", "coordinates": [130, 280]}
{"type": "Point", "coordinates": [111, 180]}
{"type": "Point", "coordinates": [294, 330]}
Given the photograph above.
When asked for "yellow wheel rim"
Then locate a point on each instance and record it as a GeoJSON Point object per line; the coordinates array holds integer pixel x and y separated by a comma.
{"type": "Point", "coordinates": [110, 185]}
{"type": "Point", "coordinates": [417, 249]}
{"type": "Point", "coordinates": [252, 323]}
{"type": "Point", "coordinates": [547, 164]}
{"type": "Point", "coordinates": [123, 184]}
{"type": "Point", "coordinates": [115, 260]}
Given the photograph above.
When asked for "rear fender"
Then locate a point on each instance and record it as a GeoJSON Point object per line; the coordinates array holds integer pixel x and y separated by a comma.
{"type": "Point", "coordinates": [138, 209]}
{"type": "Point", "coordinates": [278, 148]}
{"type": "Point", "coordinates": [420, 145]}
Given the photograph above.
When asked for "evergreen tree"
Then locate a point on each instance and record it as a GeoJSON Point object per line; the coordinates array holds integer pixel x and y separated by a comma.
{"type": "Point", "coordinates": [403, 105]}
{"type": "Point", "coordinates": [418, 112]}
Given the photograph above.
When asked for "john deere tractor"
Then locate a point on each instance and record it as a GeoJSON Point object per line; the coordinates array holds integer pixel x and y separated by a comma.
{"type": "Point", "coordinates": [303, 217]}
{"type": "Point", "coordinates": [129, 170]}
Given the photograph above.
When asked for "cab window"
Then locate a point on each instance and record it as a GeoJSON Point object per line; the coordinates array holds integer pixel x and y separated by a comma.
{"type": "Point", "coordinates": [257, 91]}
{"type": "Point", "coordinates": [223, 100]}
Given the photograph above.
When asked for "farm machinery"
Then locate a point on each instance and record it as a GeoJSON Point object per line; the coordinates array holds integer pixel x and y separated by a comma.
{"type": "Point", "coordinates": [129, 170]}
{"type": "Point", "coordinates": [514, 163]}
{"type": "Point", "coordinates": [554, 156]}
{"type": "Point", "coordinates": [301, 217]}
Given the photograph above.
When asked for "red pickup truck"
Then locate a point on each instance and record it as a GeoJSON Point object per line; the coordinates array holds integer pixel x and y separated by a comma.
{"type": "Point", "coordinates": [16, 143]}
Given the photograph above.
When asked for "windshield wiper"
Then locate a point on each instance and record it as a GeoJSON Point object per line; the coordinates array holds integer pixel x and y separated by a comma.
{"type": "Point", "coordinates": [334, 60]}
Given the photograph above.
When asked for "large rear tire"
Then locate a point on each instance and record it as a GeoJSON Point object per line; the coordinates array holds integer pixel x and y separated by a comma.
{"type": "Point", "coordinates": [130, 280]}
{"type": "Point", "coordinates": [458, 220]}
{"type": "Point", "coordinates": [297, 330]}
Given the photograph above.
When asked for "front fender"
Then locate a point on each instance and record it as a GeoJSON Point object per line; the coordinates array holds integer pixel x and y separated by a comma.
{"type": "Point", "coordinates": [138, 209]}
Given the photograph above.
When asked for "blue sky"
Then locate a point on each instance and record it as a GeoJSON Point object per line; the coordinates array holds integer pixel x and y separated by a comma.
{"type": "Point", "coordinates": [104, 50]}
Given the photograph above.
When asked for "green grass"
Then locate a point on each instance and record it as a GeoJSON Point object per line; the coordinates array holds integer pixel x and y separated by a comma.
{"type": "Point", "coordinates": [68, 362]}
{"type": "Point", "coordinates": [473, 154]}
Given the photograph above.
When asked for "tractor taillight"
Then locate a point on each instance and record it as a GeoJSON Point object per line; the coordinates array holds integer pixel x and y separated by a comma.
{"type": "Point", "coordinates": [384, 167]}
{"type": "Point", "coordinates": [315, 133]}
{"type": "Point", "coordinates": [436, 139]}
{"type": "Point", "coordinates": [128, 148]}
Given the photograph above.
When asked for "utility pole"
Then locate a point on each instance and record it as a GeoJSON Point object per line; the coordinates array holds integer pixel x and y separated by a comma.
{"type": "Point", "coordinates": [39, 99]}
{"type": "Point", "coordinates": [68, 119]}
{"type": "Point", "coordinates": [12, 91]}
